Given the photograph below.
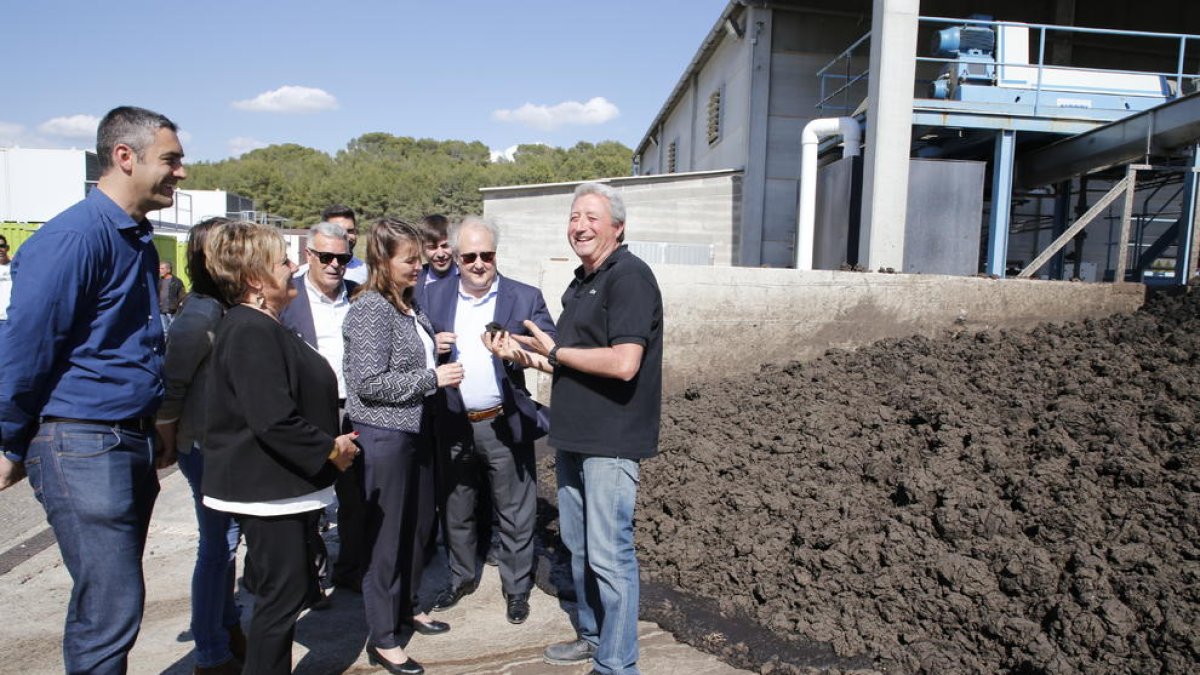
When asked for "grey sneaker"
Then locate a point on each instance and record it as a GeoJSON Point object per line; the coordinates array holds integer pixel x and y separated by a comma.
{"type": "Point", "coordinates": [569, 653]}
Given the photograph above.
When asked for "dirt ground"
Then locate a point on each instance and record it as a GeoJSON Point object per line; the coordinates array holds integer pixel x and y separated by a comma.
{"type": "Point", "coordinates": [1018, 502]}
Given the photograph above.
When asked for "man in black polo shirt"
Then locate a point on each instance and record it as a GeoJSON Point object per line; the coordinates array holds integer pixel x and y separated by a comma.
{"type": "Point", "coordinates": [607, 395]}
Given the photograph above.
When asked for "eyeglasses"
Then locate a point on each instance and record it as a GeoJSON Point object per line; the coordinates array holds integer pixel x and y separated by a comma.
{"type": "Point", "coordinates": [326, 257]}
{"type": "Point", "coordinates": [485, 256]}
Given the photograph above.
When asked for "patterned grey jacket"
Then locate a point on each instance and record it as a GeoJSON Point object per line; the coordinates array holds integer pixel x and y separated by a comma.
{"type": "Point", "coordinates": [386, 375]}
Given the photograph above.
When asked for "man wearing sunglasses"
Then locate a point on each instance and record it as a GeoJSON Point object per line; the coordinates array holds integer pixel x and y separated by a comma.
{"type": "Point", "coordinates": [339, 214]}
{"type": "Point", "coordinates": [322, 301]}
{"type": "Point", "coordinates": [486, 427]}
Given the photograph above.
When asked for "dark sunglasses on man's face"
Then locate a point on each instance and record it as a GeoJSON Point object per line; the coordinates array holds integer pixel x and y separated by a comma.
{"type": "Point", "coordinates": [485, 256]}
{"type": "Point", "coordinates": [326, 257]}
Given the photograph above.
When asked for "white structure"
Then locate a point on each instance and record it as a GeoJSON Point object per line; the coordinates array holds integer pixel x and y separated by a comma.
{"type": "Point", "coordinates": [193, 206]}
{"type": "Point", "coordinates": [35, 185]}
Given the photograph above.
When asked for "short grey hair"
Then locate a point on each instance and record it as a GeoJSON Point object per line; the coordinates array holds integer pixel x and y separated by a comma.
{"type": "Point", "coordinates": [128, 125]}
{"type": "Point", "coordinates": [328, 229]}
{"type": "Point", "coordinates": [616, 205]}
{"type": "Point", "coordinates": [473, 221]}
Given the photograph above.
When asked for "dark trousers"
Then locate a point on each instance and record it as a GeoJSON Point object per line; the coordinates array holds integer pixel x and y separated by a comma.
{"type": "Point", "coordinates": [478, 462]}
{"type": "Point", "coordinates": [280, 550]}
{"type": "Point", "coordinates": [399, 495]}
{"type": "Point", "coordinates": [352, 526]}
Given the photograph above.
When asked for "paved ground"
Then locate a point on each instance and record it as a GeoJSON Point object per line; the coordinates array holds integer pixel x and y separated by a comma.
{"type": "Point", "coordinates": [34, 587]}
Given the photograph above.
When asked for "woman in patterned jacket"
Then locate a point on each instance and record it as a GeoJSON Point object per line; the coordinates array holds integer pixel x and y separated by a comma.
{"type": "Point", "coordinates": [391, 372]}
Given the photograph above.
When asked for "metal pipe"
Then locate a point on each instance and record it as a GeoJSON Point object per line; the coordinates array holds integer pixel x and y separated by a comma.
{"type": "Point", "coordinates": [810, 137]}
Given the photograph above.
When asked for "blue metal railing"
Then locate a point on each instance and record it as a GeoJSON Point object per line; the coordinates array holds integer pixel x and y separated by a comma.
{"type": "Point", "coordinates": [841, 68]}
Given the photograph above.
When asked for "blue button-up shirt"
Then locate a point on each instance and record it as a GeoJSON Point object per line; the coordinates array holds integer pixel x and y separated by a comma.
{"type": "Point", "coordinates": [84, 339]}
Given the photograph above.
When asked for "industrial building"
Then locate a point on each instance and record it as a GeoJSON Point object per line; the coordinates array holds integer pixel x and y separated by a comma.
{"type": "Point", "coordinates": [1047, 139]}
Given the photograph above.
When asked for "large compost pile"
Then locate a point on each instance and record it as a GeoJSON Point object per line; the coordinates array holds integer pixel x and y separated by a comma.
{"type": "Point", "coordinates": [1022, 502]}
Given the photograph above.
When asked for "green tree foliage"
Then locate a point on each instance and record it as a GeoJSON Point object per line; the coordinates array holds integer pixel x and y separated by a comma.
{"type": "Point", "coordinates": [379, 174]}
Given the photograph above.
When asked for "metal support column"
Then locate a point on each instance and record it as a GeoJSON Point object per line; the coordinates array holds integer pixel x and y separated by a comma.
{"type": "Point", "coordinates": [998, 221]}
{"type": "Point", "coordinates": [1062, 218]}
{"type": "Point", "coordinates": [1184, 251]}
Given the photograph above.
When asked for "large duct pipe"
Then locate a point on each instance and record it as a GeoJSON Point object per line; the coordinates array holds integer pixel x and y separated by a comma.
{"type": "Point", "coordinates": [813, 132]}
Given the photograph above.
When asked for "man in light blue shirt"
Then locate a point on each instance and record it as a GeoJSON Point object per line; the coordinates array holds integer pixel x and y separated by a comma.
{"type": "Point", "coordinates": [81, 378]}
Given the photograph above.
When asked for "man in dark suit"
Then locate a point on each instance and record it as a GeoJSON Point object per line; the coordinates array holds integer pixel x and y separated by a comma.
{"type": "Point", "coordinates": [489, 422]}
{"type": "Point", "coordinates": [316, 314]}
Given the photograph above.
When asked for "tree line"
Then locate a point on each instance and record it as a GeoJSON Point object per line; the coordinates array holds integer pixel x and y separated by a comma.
{"type": "Point", "coordinates": [380, 174]}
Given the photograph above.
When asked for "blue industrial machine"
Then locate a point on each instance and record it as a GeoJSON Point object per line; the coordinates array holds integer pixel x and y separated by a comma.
{"type": "Point", "coordinates": [988, 63]}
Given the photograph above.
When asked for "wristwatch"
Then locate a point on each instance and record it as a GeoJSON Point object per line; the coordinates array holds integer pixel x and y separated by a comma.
{"type": "Point", "coordinates": [552, 357]}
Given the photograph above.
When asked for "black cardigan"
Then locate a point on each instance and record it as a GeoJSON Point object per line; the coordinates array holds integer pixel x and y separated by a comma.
{"type": "Point", "coordinates": [272, 413]}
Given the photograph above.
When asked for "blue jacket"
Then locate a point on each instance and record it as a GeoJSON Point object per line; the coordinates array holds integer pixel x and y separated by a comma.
{"type": "Point", "coordinates": [515, 302]}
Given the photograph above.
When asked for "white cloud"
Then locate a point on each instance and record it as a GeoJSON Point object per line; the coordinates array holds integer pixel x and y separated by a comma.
{"type": "Point", "coordinates": [71, 126]}
{"type": "Point", "coordinates": [290, 99]}
{"type": "Point", "coordinates": [506, 153]}
{"type": "Point", "coordinates": [241, 145]}
{"type": "Point", "coordinates": [11, 134]}
{"type": "Point", "coordinates": [510, 153]}
{"type": "Point", "coordinates": [597, 110]}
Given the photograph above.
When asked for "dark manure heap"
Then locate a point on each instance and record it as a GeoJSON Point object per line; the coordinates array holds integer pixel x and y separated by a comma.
{"type": "Point", "coordinates": [999, 502]}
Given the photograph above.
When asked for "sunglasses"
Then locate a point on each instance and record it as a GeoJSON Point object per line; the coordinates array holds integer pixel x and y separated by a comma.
{"type": "Point", "coordinates": [326, 257]}
{"type": "Point", "coordinates": [485, 256]}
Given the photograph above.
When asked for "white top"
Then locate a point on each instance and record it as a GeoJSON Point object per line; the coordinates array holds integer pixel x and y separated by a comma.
{"type": "Point", "coordinates": [328, 316]}
{"type": "Point", "coordinates": [428, 346]}
{"type": "Point", "coordinates": [5, 290]}
{"type": "Point", "coordinates": [356, 271]}
{"type": "Point", "coordinates": [313, 501]}
{"type": "Point", "coordinates": [479, 388]}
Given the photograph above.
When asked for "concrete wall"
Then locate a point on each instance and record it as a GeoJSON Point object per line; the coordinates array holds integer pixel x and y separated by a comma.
{"type": "Point", "coordinates": [699, 208]}
{"type": "Point", "coordinates": [727, 322]}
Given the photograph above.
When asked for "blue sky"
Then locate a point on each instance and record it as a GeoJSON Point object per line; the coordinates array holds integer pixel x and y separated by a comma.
{"type": "Point", "coordinates": [239, 75]}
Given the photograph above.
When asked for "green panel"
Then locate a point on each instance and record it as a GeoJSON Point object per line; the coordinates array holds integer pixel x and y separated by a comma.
{"type": "Point", "coordinates": [16, 234]}
{"type": "Point", "coordinates": [169, 248]}
{"type": "Point", "coordinates": [174, 251]}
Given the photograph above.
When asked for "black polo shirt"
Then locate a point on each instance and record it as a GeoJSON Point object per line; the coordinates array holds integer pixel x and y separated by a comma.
{"type": "Point", "coordinates": [618, 303]}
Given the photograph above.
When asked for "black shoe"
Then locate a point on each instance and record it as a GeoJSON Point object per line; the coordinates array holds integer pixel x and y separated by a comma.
{"type": "Point", "coordinates": [450, 597]}
{"type": "Point", "coordinates": [518, 607]}
{"type": "Point", "coordinates": [569, 653]}
{"type": "Point", "coordinates": [430, 627]}
{"type": "Point", "coordinates": [409, 667]}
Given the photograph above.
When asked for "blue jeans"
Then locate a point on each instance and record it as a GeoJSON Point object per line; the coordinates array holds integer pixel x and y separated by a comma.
{"type": "Point", "coordinates": [596, 498]}
{"type": "Point", "coordinates": [214, 609]}
{"type": "Point", "coordinates": [98, 486]}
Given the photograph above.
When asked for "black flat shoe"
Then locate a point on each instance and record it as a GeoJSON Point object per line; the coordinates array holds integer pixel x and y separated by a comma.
{"type": "Point", "coordinates": [409, 667]}
{"type": "Point", "coordinates": [431, 627]}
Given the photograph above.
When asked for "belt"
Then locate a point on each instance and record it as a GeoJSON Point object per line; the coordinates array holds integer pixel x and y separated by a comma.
{"type": "Point", "coordinates": [143, 424]}
{"type": "Point", "coordinates": [484, 415]}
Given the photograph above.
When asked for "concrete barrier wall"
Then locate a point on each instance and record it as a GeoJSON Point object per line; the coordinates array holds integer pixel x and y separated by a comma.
{"type": "Point", "coordinates": [727, 322]}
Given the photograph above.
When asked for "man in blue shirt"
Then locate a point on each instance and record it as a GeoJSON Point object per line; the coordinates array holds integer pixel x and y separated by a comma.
{"type": "Point", "coordinates": [80, 380]}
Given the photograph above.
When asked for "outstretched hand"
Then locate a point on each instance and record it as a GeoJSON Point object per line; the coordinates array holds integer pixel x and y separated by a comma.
{"type": "Point", "coordinates": [537, 341]}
